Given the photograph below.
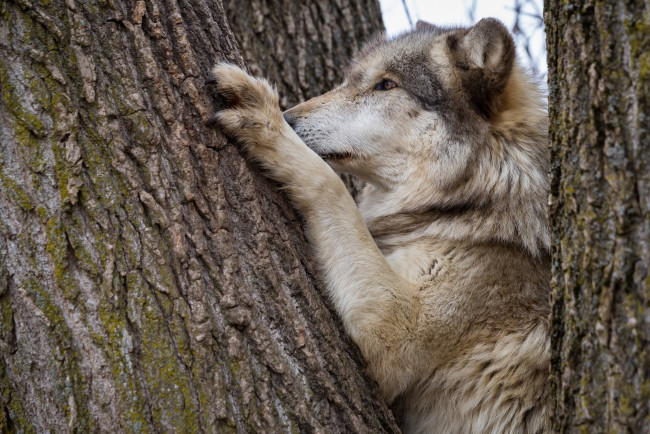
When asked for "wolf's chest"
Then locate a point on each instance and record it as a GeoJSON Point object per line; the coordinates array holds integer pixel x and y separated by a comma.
{"type": "Point", "coordinates": [416, 262]}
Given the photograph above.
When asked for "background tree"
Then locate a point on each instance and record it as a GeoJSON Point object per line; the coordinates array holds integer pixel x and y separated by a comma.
{"type": "Point", "coordinates": [150, 279]}
{"type": "Point", "coordinates": [599, 105]}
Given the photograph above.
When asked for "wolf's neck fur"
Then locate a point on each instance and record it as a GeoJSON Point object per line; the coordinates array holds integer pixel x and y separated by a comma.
{"type": "Point", "coordinates": [503, 198]}
{"type": "Point", "coordinates": [463, 223]}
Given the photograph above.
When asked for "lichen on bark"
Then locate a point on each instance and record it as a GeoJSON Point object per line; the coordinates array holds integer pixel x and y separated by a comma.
{"type": "Point", "coordinates": [600, 211]}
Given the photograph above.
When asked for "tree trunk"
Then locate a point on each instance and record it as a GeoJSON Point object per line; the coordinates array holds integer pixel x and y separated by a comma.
{"type": "Point", "coordinates": [303, 46]}
{"type": "Point", "coordinates": [599, 81]}
{"type": "Point", "coordinates": [150, 279]}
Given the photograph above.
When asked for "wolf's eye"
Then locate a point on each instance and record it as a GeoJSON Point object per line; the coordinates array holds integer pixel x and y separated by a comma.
{"type": "Point", "coordinates": [385, 84]}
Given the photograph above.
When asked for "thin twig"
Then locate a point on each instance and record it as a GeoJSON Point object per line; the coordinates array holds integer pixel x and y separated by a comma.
{"type": "Point", "coordinates": [471, 12]}
{"type": "Point", "coordinates": [408, 14]}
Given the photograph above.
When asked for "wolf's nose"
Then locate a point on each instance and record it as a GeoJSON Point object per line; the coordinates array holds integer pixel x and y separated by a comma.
{"type": "Point", "coordinates": [291, 120]}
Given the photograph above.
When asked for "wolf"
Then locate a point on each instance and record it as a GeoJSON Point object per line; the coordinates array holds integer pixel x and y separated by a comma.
{"type": "Point", "coordinates": [441, 273]}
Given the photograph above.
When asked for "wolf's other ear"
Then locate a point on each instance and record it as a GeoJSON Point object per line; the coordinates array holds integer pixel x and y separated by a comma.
{"type": "Point", "coordinates": [424, 26]}
{"type": "Point", "coordinates": [485, 55]}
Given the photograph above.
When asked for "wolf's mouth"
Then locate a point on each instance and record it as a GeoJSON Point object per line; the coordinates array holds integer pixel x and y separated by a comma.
{"type": "Point", "coordinates": [334, 156]}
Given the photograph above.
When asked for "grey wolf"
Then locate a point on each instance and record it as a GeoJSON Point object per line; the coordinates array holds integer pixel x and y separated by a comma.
{"type": "Point", "coordinates": [441, 274]}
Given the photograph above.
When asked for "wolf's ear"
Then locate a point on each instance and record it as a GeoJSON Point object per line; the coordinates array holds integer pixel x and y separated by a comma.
{"type": "Point", "coordinates": [424, 26]}
{"type": "Point", "coordinates": [489, 46]}
{"type": "Point", "coordinates": [485, 55]}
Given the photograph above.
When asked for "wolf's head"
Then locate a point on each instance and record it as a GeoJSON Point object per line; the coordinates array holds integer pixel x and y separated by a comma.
{"type": "Point", "coordinates": [425, 95]}
{"type": "Point", "coordinates": [444, 116]}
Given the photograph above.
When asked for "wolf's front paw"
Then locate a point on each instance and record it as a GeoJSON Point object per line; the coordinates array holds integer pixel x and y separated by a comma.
{"type": "Point", "coordinates": [253, 115]}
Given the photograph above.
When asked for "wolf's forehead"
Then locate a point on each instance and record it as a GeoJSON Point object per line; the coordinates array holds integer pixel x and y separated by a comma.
{"type": "Point", "coordinates": [401, 57]}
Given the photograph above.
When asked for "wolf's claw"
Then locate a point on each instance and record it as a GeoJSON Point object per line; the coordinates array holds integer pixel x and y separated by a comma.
{"type": "Point", "coordinates": [212, 121]}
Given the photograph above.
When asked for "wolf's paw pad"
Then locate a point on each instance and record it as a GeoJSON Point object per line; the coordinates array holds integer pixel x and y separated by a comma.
{"type": "Point", "coordinates": [253, 110]}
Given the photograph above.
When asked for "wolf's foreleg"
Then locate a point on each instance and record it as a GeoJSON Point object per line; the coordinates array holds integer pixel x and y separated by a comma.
{"type": "Point", "coordinates": [379, 308]}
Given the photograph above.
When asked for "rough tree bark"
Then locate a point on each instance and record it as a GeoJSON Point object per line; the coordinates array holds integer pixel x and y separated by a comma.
{"type": "Point", "coordinates": [150, 279]}
{"type": "Point", "coordinates": [303, 46]}
{"type": "Point", "coordinates": [599, 104]}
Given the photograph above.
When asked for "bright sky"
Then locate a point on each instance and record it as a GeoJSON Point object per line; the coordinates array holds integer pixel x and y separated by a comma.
{"type": "Point", "coordinates": [449, 12]}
